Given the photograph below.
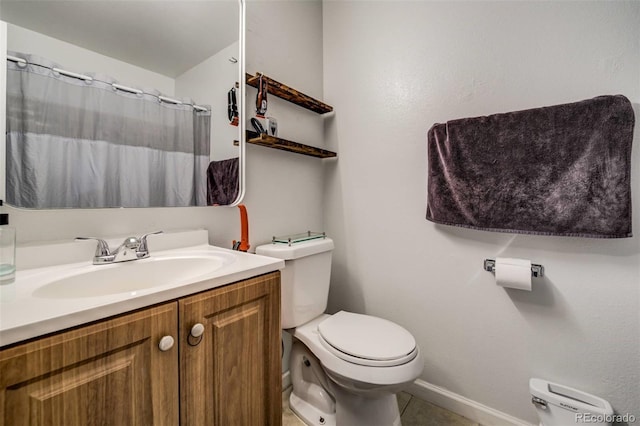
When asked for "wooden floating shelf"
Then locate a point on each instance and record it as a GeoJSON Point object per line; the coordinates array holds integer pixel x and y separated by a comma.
{"type": "Point", "coordinates": [285, 145]}
{"type": "Point", "coordinates": [289, 94]}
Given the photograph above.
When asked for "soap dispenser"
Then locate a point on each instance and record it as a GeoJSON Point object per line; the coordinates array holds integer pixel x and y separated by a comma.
{"type": "Point", "coordinates": [7, 250]}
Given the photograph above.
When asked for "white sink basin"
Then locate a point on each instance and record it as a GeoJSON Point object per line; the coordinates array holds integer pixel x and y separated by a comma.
{"type": "Point", "coordinates": [56, 286]}
{"type": "Point", "coordinates": [130, 277]}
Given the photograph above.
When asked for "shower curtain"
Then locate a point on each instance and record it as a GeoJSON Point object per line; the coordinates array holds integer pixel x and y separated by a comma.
{"type": "Point", "coordinates": [88, 142]}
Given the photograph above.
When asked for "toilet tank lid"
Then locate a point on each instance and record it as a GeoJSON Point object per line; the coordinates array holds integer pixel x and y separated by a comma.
{"type": "Point", "coordinates": [295, 250]}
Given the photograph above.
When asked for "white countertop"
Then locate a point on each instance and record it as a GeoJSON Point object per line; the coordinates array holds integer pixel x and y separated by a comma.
{"type": "Point", "coordinates": [25, 315]}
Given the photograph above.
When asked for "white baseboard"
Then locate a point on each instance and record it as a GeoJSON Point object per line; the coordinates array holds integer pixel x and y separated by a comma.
{"type": "Point", "coordinates": [465, 407]}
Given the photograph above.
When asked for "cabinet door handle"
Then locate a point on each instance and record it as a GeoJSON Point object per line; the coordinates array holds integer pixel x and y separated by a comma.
{"type": "Point", "coordinates": [197, 330]}
{"type": "Point", "coordinates": [166, 343]}
{"type": "Point", "coordinates": [195, 335]}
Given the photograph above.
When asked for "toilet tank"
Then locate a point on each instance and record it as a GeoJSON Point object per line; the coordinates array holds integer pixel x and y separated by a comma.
{"type": "Point", "coordinates": [305, 278]}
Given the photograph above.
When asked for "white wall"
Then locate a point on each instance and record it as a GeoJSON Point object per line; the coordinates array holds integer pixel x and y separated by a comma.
{"type": "Point", "coordinates": [284, 41]}
{"type": "Point", "coordinates": [81, 60]}
{"type": "Point", "coordinates": [391, 70]}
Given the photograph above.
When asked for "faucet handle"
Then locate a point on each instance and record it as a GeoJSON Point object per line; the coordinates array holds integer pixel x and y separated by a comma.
{"type": "Point", "coordinates": [143, 241]}
{"type": "Point", "coordinates": [102, 248]}
{"type": "Point", "coordinates": [131, 243]}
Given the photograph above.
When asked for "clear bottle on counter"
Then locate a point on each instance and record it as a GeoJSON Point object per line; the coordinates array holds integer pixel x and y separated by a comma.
{"type": "Point", "coordinates": [7, 250]}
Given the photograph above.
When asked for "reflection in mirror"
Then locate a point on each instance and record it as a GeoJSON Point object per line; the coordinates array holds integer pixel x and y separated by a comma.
{"type": "Point", "coordinates": [128, 106]}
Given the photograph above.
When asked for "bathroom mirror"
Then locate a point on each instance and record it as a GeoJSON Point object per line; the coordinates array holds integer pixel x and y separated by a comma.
{"type": "Point", "coordinates": [156, 130]}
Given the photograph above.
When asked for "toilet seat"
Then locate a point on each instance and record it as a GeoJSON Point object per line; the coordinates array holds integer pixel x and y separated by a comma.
{"type": "Point", "coordinates": [365, 375]}
{"type": "Point", "coordinates": [366, 340]}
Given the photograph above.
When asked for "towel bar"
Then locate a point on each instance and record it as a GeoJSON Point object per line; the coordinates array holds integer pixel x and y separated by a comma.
{"type": "Point", "coordinates": [536, 270]}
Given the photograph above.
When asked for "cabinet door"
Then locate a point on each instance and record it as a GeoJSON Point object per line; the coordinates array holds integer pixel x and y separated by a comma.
{"type": "Point", "coordinates": [232, 375]}
{"type": "Point", "coordinates": [108, 373]}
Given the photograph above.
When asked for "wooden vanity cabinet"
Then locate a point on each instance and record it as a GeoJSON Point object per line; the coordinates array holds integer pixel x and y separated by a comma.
{"type": "Point", "coordinates": [232, 374]}
{"type": "Point", "coordinates": [108, 373]}
{"type": "Point", "coordinates": [113, 372]}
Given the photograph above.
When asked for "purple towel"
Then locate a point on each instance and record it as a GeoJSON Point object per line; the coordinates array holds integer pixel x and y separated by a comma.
{"type": "Point", "coordinates": [222, 182]}
{"type": "Point", "coordinates": [559, 170]}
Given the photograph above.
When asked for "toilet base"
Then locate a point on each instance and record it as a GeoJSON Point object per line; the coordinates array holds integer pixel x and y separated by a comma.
{"type": "Point", "coordinates": [358, 410]}
{"type": "Point", "coordinates": [319, 401]}
{"type": "Point", "coordinates": [310, 414]}
{"type": "Point", "coordinates": [351, 410]}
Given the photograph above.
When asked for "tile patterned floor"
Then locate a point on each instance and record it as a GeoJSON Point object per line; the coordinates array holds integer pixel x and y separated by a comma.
{"type": "Point", "coordinates": [413, 412]}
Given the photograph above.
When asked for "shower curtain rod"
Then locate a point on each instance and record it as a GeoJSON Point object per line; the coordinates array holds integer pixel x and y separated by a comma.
{"type": "Point", "coordinates": [23, 63]}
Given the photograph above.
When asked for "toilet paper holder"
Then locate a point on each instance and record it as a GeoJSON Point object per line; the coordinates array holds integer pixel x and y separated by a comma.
{"type": "Point", "coordinates": [536, 270]}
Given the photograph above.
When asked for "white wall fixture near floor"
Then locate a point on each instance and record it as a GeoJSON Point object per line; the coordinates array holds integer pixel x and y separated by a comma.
{"type": "Point", "coordinates": [393, 69]}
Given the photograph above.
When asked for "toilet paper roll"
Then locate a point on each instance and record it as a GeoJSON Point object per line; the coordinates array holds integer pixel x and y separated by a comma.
{"type": "Point", "coordinates": [513, 273]}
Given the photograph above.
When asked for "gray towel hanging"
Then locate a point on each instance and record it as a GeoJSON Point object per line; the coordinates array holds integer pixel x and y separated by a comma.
{"type": "Point", "coordinates": [558, 170]}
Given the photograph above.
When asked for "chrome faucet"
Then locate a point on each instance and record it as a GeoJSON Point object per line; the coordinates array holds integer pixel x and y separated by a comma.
{"type": "Point", "coordinates": [132, 248]}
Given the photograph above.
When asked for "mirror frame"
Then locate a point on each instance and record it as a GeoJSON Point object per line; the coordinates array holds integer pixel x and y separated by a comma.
{"type": "Point", "coordinates": [3, 110]}
{"type": "Point", "coordinates": [242, 122]}
{"type": "Point", "coordinates": [241, 112]}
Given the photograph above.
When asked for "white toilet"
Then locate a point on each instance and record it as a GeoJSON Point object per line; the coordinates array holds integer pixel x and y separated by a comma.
{"type": "Point", "coordinates": [559, 405]}
{"type": "Point", "coordinates": [345, 368]}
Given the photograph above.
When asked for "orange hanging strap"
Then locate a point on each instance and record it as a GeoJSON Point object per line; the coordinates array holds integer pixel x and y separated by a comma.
{"type": "Point", "coordinates": [243, 244]}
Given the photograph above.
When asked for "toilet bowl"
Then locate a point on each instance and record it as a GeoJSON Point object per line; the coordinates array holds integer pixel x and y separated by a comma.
{"type": "Point", "coordinates": [345, 368]}
{"type": "Point", "coordinates": [359, 390]}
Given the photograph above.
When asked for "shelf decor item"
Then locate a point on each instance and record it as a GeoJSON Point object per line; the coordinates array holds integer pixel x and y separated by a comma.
{"type": "Point", "coordinates": [269, 137]}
